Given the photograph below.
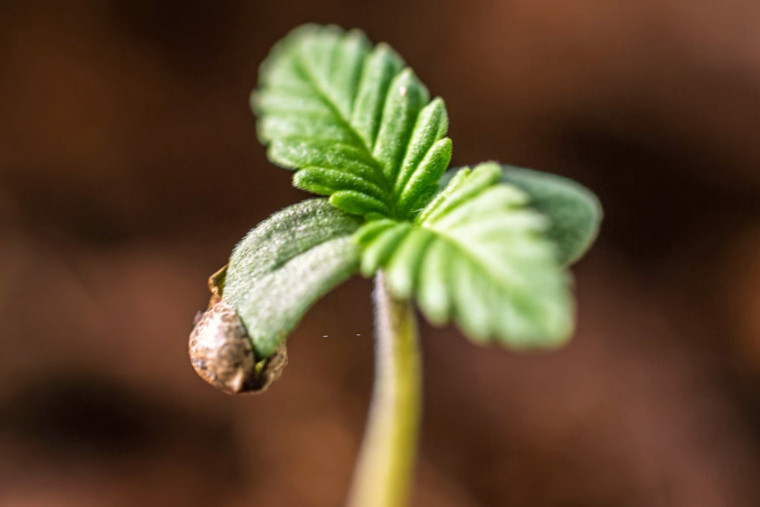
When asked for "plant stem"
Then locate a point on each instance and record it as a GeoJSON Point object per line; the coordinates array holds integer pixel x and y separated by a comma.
{"type": "Point", "coordinates": [383, 473]}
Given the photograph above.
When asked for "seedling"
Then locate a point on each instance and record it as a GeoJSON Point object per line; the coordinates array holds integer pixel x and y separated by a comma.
{"type": "Point", "coordinates": [486, 248]}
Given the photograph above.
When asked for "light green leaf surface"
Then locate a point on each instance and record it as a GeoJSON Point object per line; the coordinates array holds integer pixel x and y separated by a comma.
{"type": "Point", "coordinates": [573, 210]}
{"type": "Point", "coordinates": [353, 120]}
{"type": "Point", "coordinates": [477, 255]}
{"type": "Point", "coordinates": [285, 264]}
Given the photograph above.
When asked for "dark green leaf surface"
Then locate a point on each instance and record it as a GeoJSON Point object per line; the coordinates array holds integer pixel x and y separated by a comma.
{"type": "Point", "coordinates": [573, 210]}
{"type": "Point", "coordinates": [285, 264]}
{"type": "Point", "coordinates": [478, 255]}
{"type": "Point", "coordinates": [356, 124]}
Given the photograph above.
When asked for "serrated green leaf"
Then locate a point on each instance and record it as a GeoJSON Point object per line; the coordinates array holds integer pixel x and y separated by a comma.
{"type": "Point", "coordinates": [479, 256]}
{"type": "Point", "coordinates": [573, 210]}
{"type": "Point", "coordinates": [285, 264]}
{"type": "Point", "coordinates": [353, 121]}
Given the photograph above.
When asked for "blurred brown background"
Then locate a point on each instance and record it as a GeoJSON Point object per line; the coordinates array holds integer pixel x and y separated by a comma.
{"type": "Point", "coordinates": [129, 167]}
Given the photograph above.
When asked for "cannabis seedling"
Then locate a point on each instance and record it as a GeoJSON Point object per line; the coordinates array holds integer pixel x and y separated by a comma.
{"type": "Point", "coordinates": [486, 248]}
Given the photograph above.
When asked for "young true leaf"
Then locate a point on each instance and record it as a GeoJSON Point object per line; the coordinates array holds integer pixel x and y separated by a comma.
{"type": "Point", "coordinates": [285, 265]}
{"type": "Point", "coordinates": [356, 124]}
{"type": "Point", "coordinates": [573, 210]}
{"type": "Point", "coordinates": [478, 255]}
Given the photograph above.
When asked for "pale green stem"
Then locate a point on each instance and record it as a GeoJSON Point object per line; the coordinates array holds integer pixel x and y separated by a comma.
{"type": "Point", "coordinates": [384, 471]}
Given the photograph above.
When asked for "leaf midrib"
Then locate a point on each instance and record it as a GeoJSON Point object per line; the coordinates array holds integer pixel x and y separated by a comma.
{"type": "Point", "coordinates": [309, 77]}
{"type": "Point", "coordinates": [471, 256]}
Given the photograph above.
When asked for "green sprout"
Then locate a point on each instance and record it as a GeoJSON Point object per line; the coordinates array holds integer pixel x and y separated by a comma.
{"type": "Point", "coordinates": [486, 248]}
